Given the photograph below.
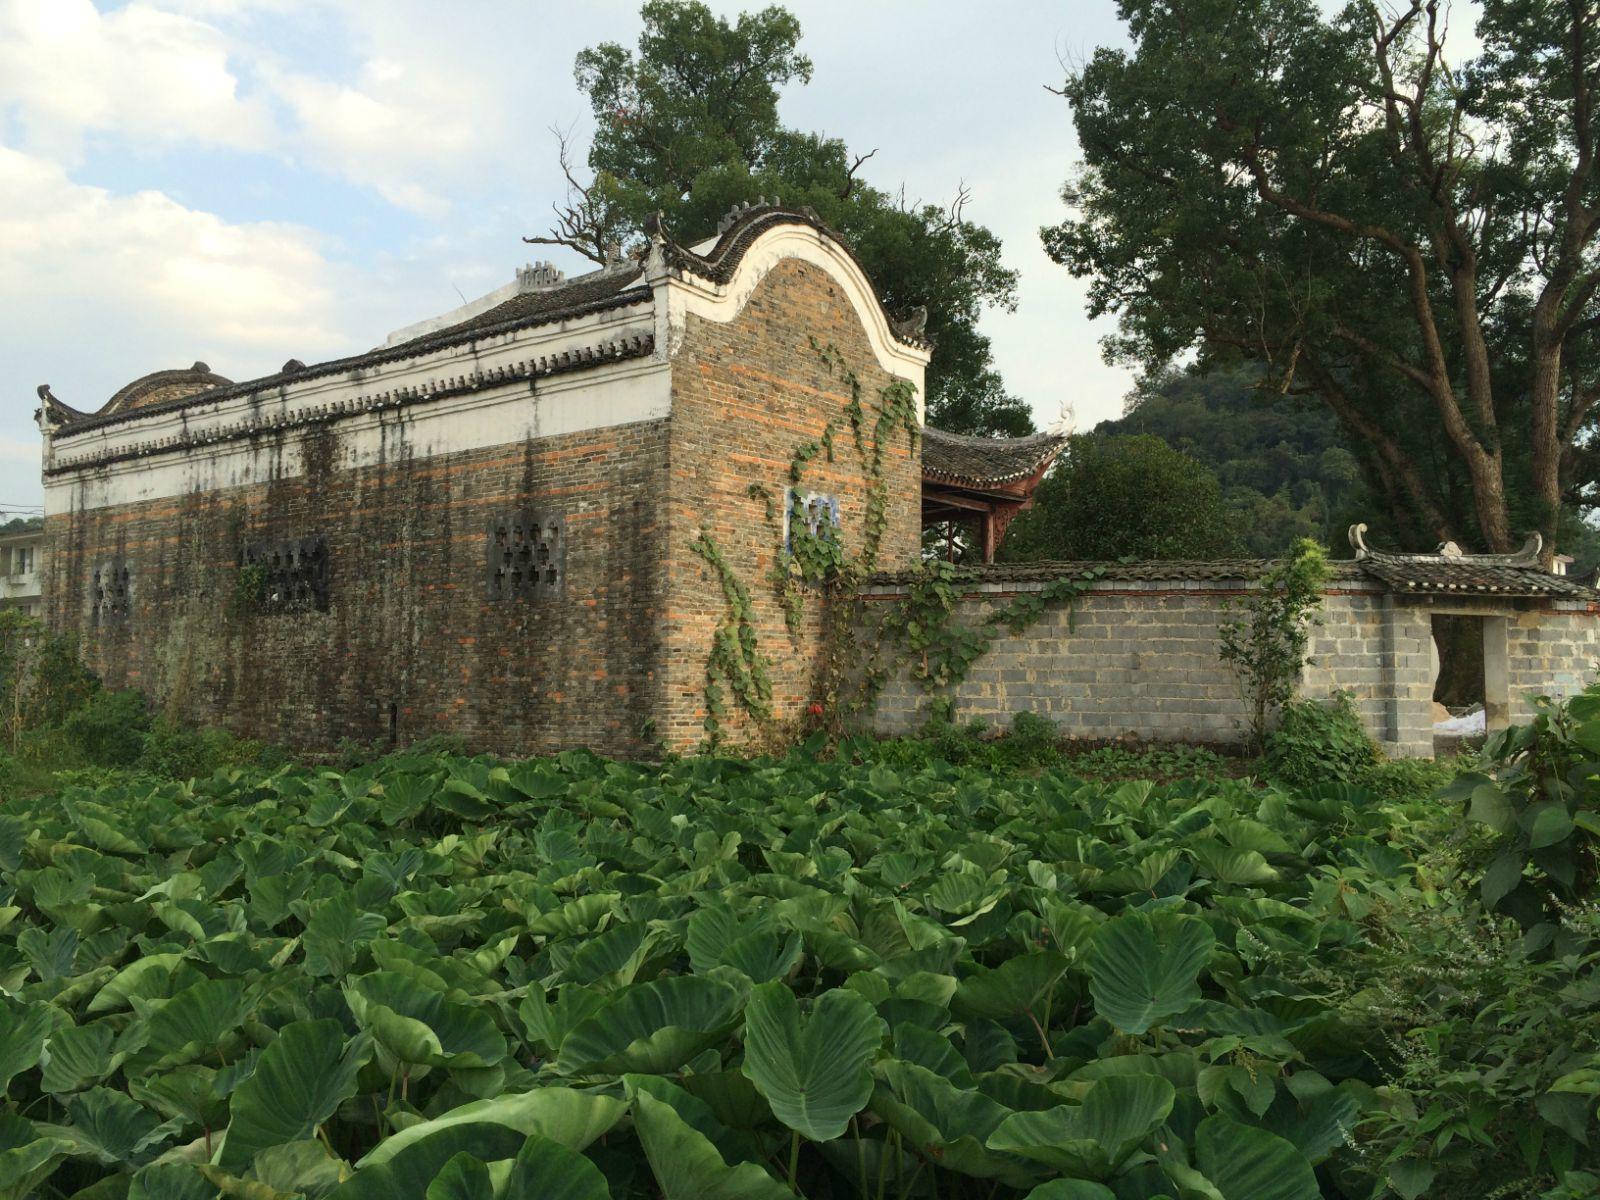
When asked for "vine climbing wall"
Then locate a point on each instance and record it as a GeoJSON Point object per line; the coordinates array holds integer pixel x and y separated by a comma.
{"type": "Point", "coordinates": [787, 395]}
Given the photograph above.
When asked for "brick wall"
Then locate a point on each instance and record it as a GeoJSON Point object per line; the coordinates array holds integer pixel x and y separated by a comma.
{"type": "Point", "coordinates": [1139, 659]}
{"type": "Point", "coordinates": [409, 623]}
{"type": "Point", "coordinates": [747, 394]}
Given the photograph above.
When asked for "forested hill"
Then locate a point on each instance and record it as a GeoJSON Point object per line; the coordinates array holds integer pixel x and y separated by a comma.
{"type": "Point", "coordinates": [1284, 470]}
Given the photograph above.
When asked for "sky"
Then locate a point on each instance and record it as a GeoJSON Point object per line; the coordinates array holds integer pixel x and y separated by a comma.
{"type": "Point", "coordinates": [243, 182]}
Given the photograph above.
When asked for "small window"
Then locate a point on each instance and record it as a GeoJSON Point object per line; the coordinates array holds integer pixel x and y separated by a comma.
{"type": "Point", "coordinates": [526, 556]}
{"type": "Point", "coordinates": [110, 592]}
{"type": "Point", "coordinates": [816, 513]}
{"type": "Point", "coordinates": [290, 576]}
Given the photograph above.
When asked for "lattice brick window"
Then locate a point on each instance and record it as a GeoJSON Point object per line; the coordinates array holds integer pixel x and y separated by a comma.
{"type": "Point", "coordinates": [527, 556]}
{"type": "Point", "coordinates": [818, 513]}
{"type": "Point", "coordinates": [293, 575]}
{"type": "Point", "coordinates": [110, 592]}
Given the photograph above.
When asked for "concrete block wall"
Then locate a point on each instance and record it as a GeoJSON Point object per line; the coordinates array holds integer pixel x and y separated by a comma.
{"type": "Point", "coordinates": [1139, 659]}
{"type": "Point", "coordinates": [1554, 652]}
{"type": "Point", "coordinates": [1123, 661]}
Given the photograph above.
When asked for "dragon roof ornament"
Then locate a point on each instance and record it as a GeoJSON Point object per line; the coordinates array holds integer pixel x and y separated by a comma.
{"type": "Point", "coordinates": [1527, 555]}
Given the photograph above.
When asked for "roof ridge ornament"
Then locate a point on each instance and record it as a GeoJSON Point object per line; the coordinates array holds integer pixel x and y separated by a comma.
{"type": "Point", "coordinates": [912, 324]}
{"type": "Point", "coordinates": [1526, 555]}
{"type": "Point", "coordinates": [539, 275]}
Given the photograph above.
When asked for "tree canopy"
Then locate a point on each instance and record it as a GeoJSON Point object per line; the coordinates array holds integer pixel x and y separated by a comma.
{"type": "Point", "coordinates": [1408, 239]}
{"type": "Point", "coordinates": [1112, 497]}
{"type": "Point", "coordinates": [687, 125]}
{"type": "Point", "coordinates": [1283, 466]}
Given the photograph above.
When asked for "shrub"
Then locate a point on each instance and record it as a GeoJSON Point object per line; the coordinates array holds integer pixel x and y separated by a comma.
{"type": "Point", "coordinates": [174, 752]}
{"type": "Point", "coordinates": [1267, 647]}
{"type": "Point", "coordinates": [1320, 742]}
{"type": "Point", "coordinates": [109, 728]}
{"type": "Point", "coordinates": [1538, 801]}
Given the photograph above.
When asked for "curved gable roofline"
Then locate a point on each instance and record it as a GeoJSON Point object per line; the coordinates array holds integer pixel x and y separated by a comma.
{"type": "Point", "coordinates": [723, 275]}
{"type": "Point", "coordinates": [165, 385]}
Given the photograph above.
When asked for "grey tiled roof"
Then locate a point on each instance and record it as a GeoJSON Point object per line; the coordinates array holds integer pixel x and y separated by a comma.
{"type": "Point", "coordinates": [1436, 577]}
{"type": "Point", "coordinates": [573, 304]}
{"type": "Point", "coordinates": [1415, 575]}
{"type": "Point", "coordinates": [582, 292]}
{"type": "Point", "coordinates": [985, 461]}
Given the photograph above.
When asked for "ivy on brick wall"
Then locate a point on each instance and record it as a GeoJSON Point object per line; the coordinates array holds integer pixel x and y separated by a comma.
{"type": "Point", "coordinates": [735, 664]}
{"type": "Point", "coordinates": [920, 632]}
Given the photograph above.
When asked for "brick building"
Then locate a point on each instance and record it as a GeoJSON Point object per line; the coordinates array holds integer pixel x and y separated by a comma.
{"type": "Point", "coordinates": [487, 527]}
{"type": "Point", "coordinates": [21, 566]}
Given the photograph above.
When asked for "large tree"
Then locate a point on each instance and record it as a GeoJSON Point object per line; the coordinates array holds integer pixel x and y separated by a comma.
{"type": "Point", "coordinates": [688, 125]}
{"type": "Point", "coordinates": [1407, 238]}
{"type": "Point", "coordinates": [1111, 497]}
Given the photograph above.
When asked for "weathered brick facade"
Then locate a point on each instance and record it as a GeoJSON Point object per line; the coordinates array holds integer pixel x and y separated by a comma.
{"type": "Point", "coordinates": [746, 397]}
{"type": "Point", "coordinates": [410, 644]}
{"type": "Point", "coordinates": [625, 413]}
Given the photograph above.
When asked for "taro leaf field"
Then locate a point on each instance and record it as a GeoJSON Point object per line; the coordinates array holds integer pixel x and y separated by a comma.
{"type": "Point", "coordinates": [440, 978]}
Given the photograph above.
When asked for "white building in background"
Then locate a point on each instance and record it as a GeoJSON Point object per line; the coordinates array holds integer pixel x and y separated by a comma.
{"type": "Point", "coordinates": [21, 568]}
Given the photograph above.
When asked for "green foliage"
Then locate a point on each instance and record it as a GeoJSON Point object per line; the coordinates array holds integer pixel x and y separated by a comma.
{"type": "Point", "coordinates": [249, 588]}
{"type": "Point", "coordinates": [735, 662]}
{"type": "Point", "coordinates": [923, 634]}
{"type": "Point", "coordinates": [1266, 647]}
{"type": "Point", "coordinates": [1273, 181]}
{"type": "Point", "coordinates": [1540, 801]}
{"type": "Point", "coordinates": [1282, 462]}
{"type": "Point", "coordinates": [1123, 497]}
{"type": "Point", "coordinates": [688, 125]}
{"type": "Point", "coordinates": [110, 728]}
{"type": "Point", "coordinates": [769, 978]}
{"type": "Point", "coordinates": [1317, 742]}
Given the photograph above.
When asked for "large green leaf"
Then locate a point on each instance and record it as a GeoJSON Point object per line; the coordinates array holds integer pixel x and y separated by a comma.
{"type": "Point", "coordinates": [1246, 1163]}
{"type": "Point", "coordinates": [949, 1123]}
{"type": "Point", "coordinates": [652, 1028]}
{"type": "Point", "coordinates": [298, 1082]}
{"type": "Point", "coordinates": [1071, 1189]}
{"type": "Point", "coordinates": [194, 1023]}
{"type": "Point", "coordinates": [417, 1024]}
{"type": "Point", "coordinates": [813, 1072]}
{"type": "Point", "coordinates": [76, 1057]}
{"type": "Point", "coordinates": [23, 1030]}
{"type": "Point", "coordinates": [716, 937]}
{"type": "Point", "coordinates": [170, 1181]}
{"type": "Point", "coordinates": [1145, 967]}
{"type": "Point", "coordinates": [462, 1178]}
{"type": "Point", "coordinates": [109, 1128]}
{"type": "Point", "coordinates": [1093, 1138]}
{"type": "Point", "coordinates": [337, 931]}
{"type": "Point", "coordinates": [687, 1166]}
{"type": "Point", "coordinates": [547, 1170]}
{"type": "Point", "coordinates": [561, 1114]}
{"type": "Point", "coordinates": [1016, 986]}
{"type": "Point", "coordinates": [28, 1156]}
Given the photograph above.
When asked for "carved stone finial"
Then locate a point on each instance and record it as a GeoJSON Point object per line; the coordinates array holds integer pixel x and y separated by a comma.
{"type": "Point", "coordinates": [653, 227]}
{"type": "Point", "coordinates": [913, 324]}
{"type": "Point", "coordinates": [1448, 550]}
{"type": "Point", "coordinates": [1358, 541]}
{"type": "Point", "coordinates": [200, 368]}
{"type": "Point", "coordinates": [1529, 550]}
{"type": "Point", "coordinates": [293, 367]}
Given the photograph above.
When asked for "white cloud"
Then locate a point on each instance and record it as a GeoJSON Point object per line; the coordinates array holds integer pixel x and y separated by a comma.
{"type": "Point", "coordinates": [120, 285]}
{"type": "Point", "coordinates": [68, 70]}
